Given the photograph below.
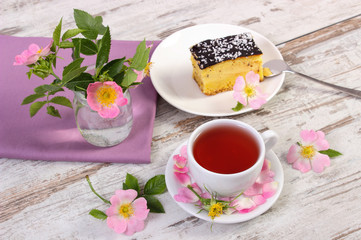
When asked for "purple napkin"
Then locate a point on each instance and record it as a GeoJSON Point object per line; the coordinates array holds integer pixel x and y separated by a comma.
{"type": "Point", "coordinates": [47, 138]}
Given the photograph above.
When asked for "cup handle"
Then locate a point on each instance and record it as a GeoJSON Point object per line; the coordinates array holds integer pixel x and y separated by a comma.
{"type": "Point", "coordinates": [270, 139]}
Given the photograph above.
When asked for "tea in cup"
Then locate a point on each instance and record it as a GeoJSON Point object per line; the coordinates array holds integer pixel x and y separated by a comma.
{"type": "Point", "coordinates": [225, 156]}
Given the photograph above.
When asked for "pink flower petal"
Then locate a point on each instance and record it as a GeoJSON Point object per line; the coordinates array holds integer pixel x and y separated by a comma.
{"type": "Point", "coordinates": [240, 98]}
{"type": "Point", "coordinates": [126, 196]}
{"type": "Point", "coordinates": [140, 208]}
{"type": "Point", "coordinates": [206, 195]}
{"type": "Point", "coordinates": [243, 204]}
{"type": "Point", "coordinates": [252, 78]}
{"type": "Point", "coordinates": [114, 200]}
{"type": "Point", "coordinates": [269, 189]}
{"type": "Point", "coordinates": [293, 154]}
{"type": "Point", "coordinates": [140, 75]}
{"type": "Point", "coordinates": [131, 227]}
{"type": "Point", "coordinates": [113, 209]}
{"type": "Point", "coordinates": [92, 98]}
{"type": "Point", "coordinates": [45, 50]}
{"type": "Point", "coordinates": [302, 164]}
{"type": "Point", "coordinates": [265, 176]}
{"type": "Point", "coordinates": [109, 112]}
{"type": "Point", "coordinates": [256, 102]}
{"type": "Point", "coordinates": [239, 84]}
{"type": "Point", "coordinates": [183, 178]}
{"type": "Point", "coordinates": [186, 195]}
{"type": "Point", "coordinates": [121, 101]}
{"type": "Point", "coordinates": [180, 170]}
{"type": "Point", "coordinates": [258, 200]}
{"type": "Point", "coordinates": [321, 143]}
{"type": "Point", "coordinates": [308, 137]}
{"type": "Point", "coordinates": [33, 48]}
{"type": "Point", "coordinates": [319, 162]}
{"type": "Point", "coordinates": [117, 224]}
{"type": "Point", "coordinates": [180, 161]}
{"type": "Point", "coordinates": [255, 189]}
{"type": "Point", "coordinates": [134, 226]}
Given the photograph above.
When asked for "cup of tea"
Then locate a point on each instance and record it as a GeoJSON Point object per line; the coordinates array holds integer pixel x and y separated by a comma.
{"type": "Point", "coordinates": [226, 156]}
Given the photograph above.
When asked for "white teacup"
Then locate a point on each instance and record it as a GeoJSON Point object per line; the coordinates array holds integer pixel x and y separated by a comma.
{"type": "Point", "coordinates": [224, 184]}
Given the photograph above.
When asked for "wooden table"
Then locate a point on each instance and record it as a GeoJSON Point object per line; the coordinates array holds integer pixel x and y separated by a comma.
{"type": "Point", "coordinates": [51, 200]}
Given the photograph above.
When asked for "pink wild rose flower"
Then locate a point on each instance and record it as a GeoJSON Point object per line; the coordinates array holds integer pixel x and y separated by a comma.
{"type": "Point", "coordinates": [247, 91]}
{"type": "Point", "coordinates": [305, 155]}
{"type": "Point", "coordinates": [127, 214]}
{"type": "Point", "coordinates": [32, 54]}
{"type": "Point", "coordinates": [105, 97]}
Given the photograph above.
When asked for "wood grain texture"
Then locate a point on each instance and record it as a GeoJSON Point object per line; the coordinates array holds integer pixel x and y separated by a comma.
{"type": "Point", "coordinates": [51, 200]}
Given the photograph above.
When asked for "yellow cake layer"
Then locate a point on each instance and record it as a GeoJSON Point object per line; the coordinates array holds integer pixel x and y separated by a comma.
{"type": "Point", "coordinates": [222, 76]}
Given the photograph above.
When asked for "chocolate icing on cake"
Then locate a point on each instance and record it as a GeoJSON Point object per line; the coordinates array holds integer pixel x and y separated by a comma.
{"type": "Point", "coordinates": [213, 51]}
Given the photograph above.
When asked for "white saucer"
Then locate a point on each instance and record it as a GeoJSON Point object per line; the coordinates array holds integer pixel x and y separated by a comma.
{"type": "Point", "coordinates": [173, 186]}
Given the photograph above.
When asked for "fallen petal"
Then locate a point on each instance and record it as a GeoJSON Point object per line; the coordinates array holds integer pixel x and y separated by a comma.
{"type": "Point", "coordinates": [269, 189]}
{"type": "Point", "coordinates": [183, 178]}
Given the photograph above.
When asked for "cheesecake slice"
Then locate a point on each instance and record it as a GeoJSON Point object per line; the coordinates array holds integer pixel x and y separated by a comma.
{"type": "Point", "coordinates": [218, 62]}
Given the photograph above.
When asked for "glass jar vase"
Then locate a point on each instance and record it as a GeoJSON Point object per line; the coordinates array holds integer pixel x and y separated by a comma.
{"type": "Point", "coordinates": [98, 131]}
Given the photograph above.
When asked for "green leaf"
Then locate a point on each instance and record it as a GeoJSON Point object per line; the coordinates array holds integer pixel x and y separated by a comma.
{"type": "Point", "coordinates": [32, 98]}
{"type": "Point", "coordinates": [80, 82]}
{"type": "Point", "coordinates": [60, 100]}
{"type": "Point", "coordinates": [41, 71]}
{"type": "Point", "coordinates": [141, 56]}
{"type": "Point", "coordinates": [154, 204]}
{"type": "Point", "coordinates": [98, 214]}
{"type": "Point", "coordinates": [114, 67]}
{"type": "Point", "coordinates": [40, 89]}
{"type": "Point", "coordinates": [66, 44]}
{"type": "Point", "coordinates": [155, 185]}
{"type": "Point", "coordinates": [331, 153]}
{"type": "Point", "coordinates": [88, 47]}
{"type": "Point", "coordinates": [56, 33]}
{"type": "Point", "coordinates": [73, 74]}
{"type": "Point", "coordinates": [118, 79]}
{"type": "Point", "coordinates": [53, 112]}
{"type": "Point", "coordinates": [71, 33]}
{"type": "Point", "coordinates": [99, 25]}
{"type": "Point", "coordinates": [238, 107]}
{"type": "Point", "coordinates": [77, 46]}
{"type": "Point", "coordinates": [58, 90]}
{"type": "Point", "coordinates": [50, 87]}
{"type": "Point", "coordinates": [129, 77]}
{"type": "Point", "coordinates": [103, 54]}
{"type": "Point", "coordinates": [73, 66]}
{"type": "Point", "coordinates": [86, 22]}
{"type": "Point", "coordinates": [131, 182]}
{"type": "Point", "coordinates": [136, 83]}
{"type": "Point", "coordinates": [35, 107]}
{"type": "Point", "coordinates": [29, 73]}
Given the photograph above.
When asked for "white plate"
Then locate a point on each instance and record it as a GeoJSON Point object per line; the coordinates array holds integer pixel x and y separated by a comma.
{"type": "Point", "coordinates": [171, 71]}
{"type": "Point", "coordinates": [173, 185]}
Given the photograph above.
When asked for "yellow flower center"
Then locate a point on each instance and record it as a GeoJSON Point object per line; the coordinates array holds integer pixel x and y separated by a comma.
{"type": "Point", "coordinates": [250, 91]}
{"type": "Point", "coordinates": [106, 96]}
{"type": "Point", "coordinates": [215, 210]}
{"type": "Point", "coordinates": [40, 50]}
{"type": "Point", "coordinates": [308, 151]}
{"type": "Point", "coordinates": [126, 210]}
{"type": "Point", "coordinates": [147, 69]}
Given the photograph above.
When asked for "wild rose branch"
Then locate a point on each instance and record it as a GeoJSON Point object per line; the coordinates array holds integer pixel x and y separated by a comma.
{"type": "Point", "coordinates": [129, 207]}
{"type": "Point", "coordinates": [109, 81]}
